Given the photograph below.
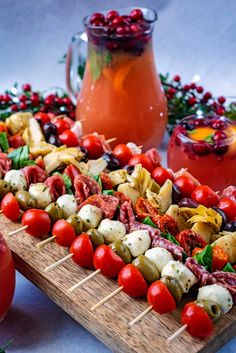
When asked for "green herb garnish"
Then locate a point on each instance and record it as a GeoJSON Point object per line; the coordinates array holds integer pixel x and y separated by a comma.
{"type": "Point", "coordinates": [4, 142]}
{"type": "Point", "coordinates": [20, 157]}
{"type": "Point", "coordinates": [228, 268]}
{"type": "Point", "coordinates": [149, 222]}
{"type": "Point", "coordinates": [204, 257]}
{"type": "Point", "coordinates": [108, 192]}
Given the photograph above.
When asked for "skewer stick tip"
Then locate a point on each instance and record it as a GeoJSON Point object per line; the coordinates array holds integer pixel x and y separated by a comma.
{"type": "Point", "coordinates": [107, 298]}
{"type": "Point", "coordinates": [176, 334]}
{"type": "Point", "coordinates": [44, 242]}
{"type": "Point", "coordinates": [57, 263]}
{"type": "Point", "coordinates": [83, 281]}
{"type": "Point", "coordinates": [111, 140]}
{"type": "Point", "coordinates": [140, 316]}
{"type": "Point", "coordinates": [18, 230]}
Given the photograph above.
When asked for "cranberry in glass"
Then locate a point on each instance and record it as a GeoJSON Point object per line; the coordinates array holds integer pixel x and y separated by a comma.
{"type": "Point", "coordinates": [220, 148]}
{"type": "Point", "coordinates": [23, 98]}
{"type": "Point", "coordinates": [218, 124]}
{"type": "Point", "coordinates": [98, 23]}
{"type": "Point", "coordinates": [118, 21]}
{"type": "Point", "coordinates": [111, 15]}
{"type": "Point", "coordinates": [97, 17]}
{"type": "Point", "coordinates": [177, 78]}
{"type": "Point", "coordinates": [221, 100]}
{"type": "Point", "coordinates": [136, 15]}
{"type": "Point", "coordinates": [219, 135]}
{"type": "Point", "coordinates": [34, 98]}
{"type": "Point", "coordinates": [6, 98]}
{"type": "Point", "coordinates": [192, 101]}
{"type": "Point", "coordinates": [122, 30]}
{"type": "Point", "coordinates": [67, 101]}
{"type": "Point", "coordinates": [127, 19]}
{"type": "Point", "coordinates": [200, 122]}
{"type": "Point", "coordinates": [207, 96]}
{"type": "Point", "coordinates": [201, 148]}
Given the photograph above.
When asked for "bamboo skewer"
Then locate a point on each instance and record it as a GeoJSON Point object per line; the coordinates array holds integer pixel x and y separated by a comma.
{"type": "Point", "coordinates": [57, 263]}
{"type": "Point", "coordinates": [83, 281]}
{"type": "Point", "coordinates": [107, 298]}
{"type": "Point", "coordinates": [176, 334]}
{"type": "Point", "coordinates": [44, 242]}
{"type": "Point", "coordinates": [18, 230]}
{"type": "Point", "coordinates": [140, 316]}
{"type": "Point", "coordinates": [111, 140]}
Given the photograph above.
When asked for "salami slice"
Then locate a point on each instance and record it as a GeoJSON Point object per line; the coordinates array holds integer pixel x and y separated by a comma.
{"type": "Point", "coordinates": [106, 203]}
{"type": "Point", "coordinates": [34, 174]}
{"type": "Point", "coordinates": [126, 215]}
{"type": "Point", "coordinates": [227, 280]}
{"type": "Point", "coordinates": [153, 232]}
{"type": "Point", "coordinates": [154, 156]}
{"type": "Point", "coordinates": [230, 193]}
{"type": "Point", "coordinates": [174, 249]}
{"type": "Point", "coordinates": [56, 186]}
{"type": "Point", "coordinates": [85, 186]}
{"type": "Point", "coordinates": [5, 164]}
{"type": "Point", "coordinates": [204, 277]}
{"type": "Point", "coordinates": [106, 181]}
{"type": "Point", "coordinates": [122, 197]}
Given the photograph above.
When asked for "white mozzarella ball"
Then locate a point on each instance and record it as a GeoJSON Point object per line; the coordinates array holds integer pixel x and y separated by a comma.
{"type": "Point", "coordinates": [160, 257]}
{"type": "Point", "coordinates": [178, 270]}
{"type": "Point", "coordinates": [217, 294]}
{"type": "Point", "coordinates": [138, 242]}
{"type": "Point", "coordinates": [91, 216]}
{"type": "Point", "coordinates": [112, 230]}
{"type": "Point", "coordinates": [68, 205]}
{"type": "Point", "coordinates": [41, 194]}
{"type": "Point", "coordinates": [16, 179]}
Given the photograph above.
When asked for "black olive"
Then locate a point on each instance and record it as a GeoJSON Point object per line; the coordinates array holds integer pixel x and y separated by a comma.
{"type": "Point", "coordinates": [111, 160]}
{"type": "Point", "coordinates": [85, 151]}
{"type": "Point", "coordinates": [129, 168]}
{"type": "Point", "coordinates": [224, 218]}
{"type": "Point", "coordinates": [186, 202]}
{"type": "Point", "coordinates": [176, 194]}
{"type": "Point", "coordinates": [230, 226]}
{"type": "Point", "coordinates": [54, 140]}
{"type": "Point", "coordinates": [49, 129]}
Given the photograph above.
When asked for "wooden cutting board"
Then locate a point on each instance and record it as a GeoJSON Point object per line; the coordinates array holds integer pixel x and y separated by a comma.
{"type": "Point", "coordinates": [109, 323]}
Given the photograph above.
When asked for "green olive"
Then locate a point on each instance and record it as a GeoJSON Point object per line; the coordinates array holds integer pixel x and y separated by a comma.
{"type": "Point", "coordinates": [25, 200]}
{"type": "Point", "coordinates": [76, 223]}
{"type": "Point", "coordinates": [4, 188]}
{"type": "Point", "coordinates": [174, 287]}
{"type": "Point", "coordinates": [147, 268]}
{"type": "Point", "coordinates": [96, 237]}
{"type": "Point", "coordinates": [211, 308]}
{"type": "Point", "coordinates": [54, 211]}
{"type": "Point", "coordinates": [121, 250]}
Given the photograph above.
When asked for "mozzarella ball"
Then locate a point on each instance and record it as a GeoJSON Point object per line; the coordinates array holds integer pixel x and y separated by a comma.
{"type": "Point", "coordinates": [138, 242]}
{"type": "Point", "coordinates": [112, 230]}
{"type": "Point", "coordinates": [41, 194]}
{"type": "Point", "coordinates": [160, 257]}
{"type": "Point", "coordinates": [16, 179]}
{"type": "Point", "coordinates": [217, 294]}
{"type": "Point", "coordinates": [177, 270]}
{"type": "Point", "coordinates": [91, 216]}
{"type": "Point", "coordinates": [68, 205]}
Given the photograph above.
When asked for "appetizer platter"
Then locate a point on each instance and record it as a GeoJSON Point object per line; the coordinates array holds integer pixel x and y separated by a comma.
{"type": "Point", "coordinates": [100, 227]}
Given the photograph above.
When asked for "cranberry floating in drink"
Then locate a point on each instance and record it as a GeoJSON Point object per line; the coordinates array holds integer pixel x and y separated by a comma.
{"type": "Point", "coordinates": [206, 145]}
{"type": "Point", "coordinates": [121, 93]}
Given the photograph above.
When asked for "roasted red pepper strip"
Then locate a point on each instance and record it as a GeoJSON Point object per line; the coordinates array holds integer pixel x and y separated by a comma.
{"type": "Point", "coordinates": [106, 181]}
{"type": "Point", "coordinates": [220, 258]}
{"type": "Point", "coordinates": [72, 172]}
{"type": "Point", "coordinates": [166, 224]}
{"type": "Point", "coordinates": [189, 240]}
{"type": "Point", "coordinates": [145, 209]}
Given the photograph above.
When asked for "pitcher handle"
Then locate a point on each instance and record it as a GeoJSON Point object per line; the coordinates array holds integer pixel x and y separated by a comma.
{"type": "Point", "coordinates": [73, 60]}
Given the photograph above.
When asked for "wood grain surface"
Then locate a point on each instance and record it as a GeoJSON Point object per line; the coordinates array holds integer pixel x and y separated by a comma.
{"type": "Point", "coordinates": [109, 323]}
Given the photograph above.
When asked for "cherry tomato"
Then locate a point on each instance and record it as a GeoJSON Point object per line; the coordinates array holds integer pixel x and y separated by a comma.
{"type": "Point", "coordinates": [10, 207]}
{"type": "Point", "coordinates": [144, 209]}
{"type": "Point", "coordinates": [69, 138]}
{"type": "Point", "coordinates": [82, 250]}
{"type": "Point", "coordinates": [204, 195]}
{"type": "Point", "coordinates": [143, 160]}
{"type": "Point", "coordinates": [64, 233]}
{"type": "Point", "coordinates": [189, 240]}
{"type": "Point", "coordinates": [61, 125]}
{"type": "Point", "coordinates": [38, 222]}
{"type": "Point", "coordinates": [93, 145]}
{"type": "Point", "coordinates": [132, 281]}
{"type": "Point", "coordinates": [186, 185]}
{"type": "Point", "coordinates": [229, 208]}
{"type": "Point", "coordinates": [16, 141]}
{"type": "Point", "coordinates": [160, 298]}
{"type": "Point", "coordinates": [123, 153]}
{"type": "Point", "coordinates": [219, 258]}
{"type": "Point", "coordinates": [198, 321]}
{"type": "Point", "coordinates": [43, 117]}
{"type": "Point", "coordinates": [72, 172]}
{"type": "Point", "coordinates": [160, 175]}
{"type": "Point", "coordinates": [107, 261]}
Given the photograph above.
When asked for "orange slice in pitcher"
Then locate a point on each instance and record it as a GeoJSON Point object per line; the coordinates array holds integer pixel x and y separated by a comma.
{"type": "Point", "coordinates": [201, 133]}
{"type": "Point", "coordinates": [121, 75]}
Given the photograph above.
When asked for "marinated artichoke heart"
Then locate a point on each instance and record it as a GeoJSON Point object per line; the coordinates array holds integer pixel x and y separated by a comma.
{"type": "Point", "coordinates": [202, 214]}
{"type": "Point", "coordinates": [141, 180]}
{"type": "Point", "coordinates": [174, 211]}
{"type": "Point", "coordinates": [164, 196]}
{"type": "Point", "coordinates": [118, 177]}
{"type": "Point", "coordinates": [206, 230]}
{"type": "Point", "coordinates": [228, 244]}
{"type": "Point", "coordinates": [62, 156]}
{"type": "Point", "coordinates": [17, 122]}
{"type": "Point", "coordinates": [41, 149]}
{"type": "Point", "coordinates": [95, 167]}
{"type": "Point", "coordinates": [132, 193]}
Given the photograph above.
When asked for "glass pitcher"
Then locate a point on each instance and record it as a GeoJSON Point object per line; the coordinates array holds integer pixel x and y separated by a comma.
{"type": "Point", "coordinates": [121, 94]}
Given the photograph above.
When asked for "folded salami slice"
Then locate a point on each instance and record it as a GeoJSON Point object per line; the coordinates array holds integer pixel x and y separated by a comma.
{"type": "Point", "coordinates": [175, 250]}
{"type": "Point", "coordinates": [85, 186]}
{"type": "Point", "coordinates": [204, 277]}
{"type": "Point", "coordinates": [154, 156]}
{"type": "Point", "coordinates": [126, 215]}
{"type": "Point", "coordinates": [153, 232]}
{"type": "Point", "coordinates": [56, 186]}
{"type": "Point", "coordinates": [34, 174]}
{"type": "Point", "coordinates": [227, 280]}
{"type": "Point", "coordinates": [230, 193]}
{"type": "Point", "coordinates": [106, 203]}
{"type": "Point", "coordinates": [5, 164]}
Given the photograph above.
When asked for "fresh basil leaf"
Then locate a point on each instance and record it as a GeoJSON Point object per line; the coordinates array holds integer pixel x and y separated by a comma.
{"type": "Point", "coordinates": [170, 237]}
{"type": "Point", "coordinates": [66, 178]}
{"type": "Point", "coordinates": [95, 64]}
{"type": "Point", "coordinates": [98, 179]}
{"type": "Point", "coordinates": [108, 192]}
{"type": "Point", "coordinates": [26, 163]}
{"type": "Point", "coordinates": [4, 142]}
{"type": "Point", "coordinates": [69, 191]}
{"type": "Point", "coordinates": [204, 257]}
{"type": "Point", "coordinates": [149, 222]}
{"type": "Point", "coordinates": [20, 157]}
{"type": "Point", "coordinates": [107, 58]}
{"type": "Point", "coordinates": [228, 268]}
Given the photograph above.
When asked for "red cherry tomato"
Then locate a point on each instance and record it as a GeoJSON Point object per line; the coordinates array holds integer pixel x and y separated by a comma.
{"type": "Point", "coordinates": [64, 233]}
{"type": "Point", "coordinates": [16, 141]}
{"type": "Point", "coordinates": [160, 175]}
{"type": "Point", "coordinates": [93, 145]}
{"type": "Point", "coordinates": [38, 222]}
{"type": "Point", "coordinates": [219, 258]}
{"type": "Point", "coordinates": [69, 138]}
{"type": "Point", "coordinates": [160, 298]}
{"type": "Point", "coordinates": [132, 281]}
{"type": "Point", "coordinates": [43, 117]}
{"type": "Point", "coordinates": [82, 250]}
{"type": "Point", "coordinates": [198, 321]}
{"type": "Point", "coordinates": [204, 195]}
{"type": "Point", "coordinates": [186, 185]}
{"type": "Point", "coordinates": [10, 207]}
{"type": "Point", "coordinates": [107, 261]}
{"type": "Point", "coordinates": [229, 208]}
{"type": "Point", "coordinates": [72, 172]}
{"type": "Point", "coordinates": [143, 160]}
{"type": "Point", "coordinates": [61, 125]}
{"type": "Point", "coordinates": [123, 153]}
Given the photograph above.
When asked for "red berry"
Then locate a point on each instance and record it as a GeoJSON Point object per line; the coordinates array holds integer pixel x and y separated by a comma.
{"type": "Point", "coordinates": [134, 28]}
{"type": "Point", "coordinates": [111, 15]}
{"type": "Point", "coordinates": [67, 101]}
{"type": "Point", "coordinates": [220, 111]}
{"type": "Point", "coordinates": [218, 124]}
{"type": "Point", "coordinates": [186, 88]}
{"type": "Point", "coordinates": [193, 85]}
{"type": "Point", "coordinates": [171, 91]}
{"type": "Point", "coordinates": [122, 30]}
{"type": "Point", "coordinates": [127, 19]}
{"type": "Point", "coordinates": [136, 15]}
{"type": "Point", "coordinates": [207, 96]}
{"type": "Point", "coordinates": [97, 17]}
{"type": "Point", "coordinates": [23, 106]}
{"type": "Point", "coordinates": [221, 100]}
{"type": "Point", "coordinates": [6, 98]}
{"type": "Point", "coordinates": [201, 122]}
{"type": "Point", "coordinates": [111, 46]}
{"type": "Point", "coordinates": [23, 98]}
{"type": "Point", "coordinates": [192, 101]}
{"type": "Point", "coordinates": [98, 23]}
{"type": "Point", "coordinates": [219, 135]}
{"type": "Point", "coordinates": [26, 87]}
{"type": "Point", "coordinates": [34, 98]}
{"type": "Point", "coordinates": [118, 21]}
{"type": "Point", "coordinates": [199, 89]}
{"type": "Point", "coordinates": [177, 78]}
{"type": "Point", "coordinates": [14, 108]}
{"type": "Point", "coordinates": [201, 148]}
{"type": "Point", "coordinates": [59, 101]}
{"type": "Point", "coordinates": [220, 148]}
